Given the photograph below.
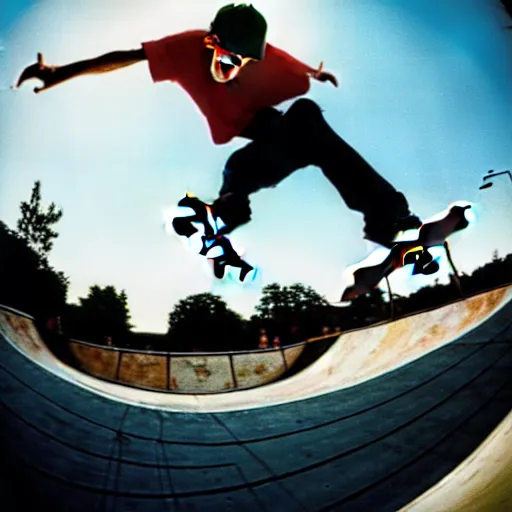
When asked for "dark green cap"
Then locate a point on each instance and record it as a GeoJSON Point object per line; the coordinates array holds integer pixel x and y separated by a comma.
{"type": "Point", "coordinates": [241, 29]}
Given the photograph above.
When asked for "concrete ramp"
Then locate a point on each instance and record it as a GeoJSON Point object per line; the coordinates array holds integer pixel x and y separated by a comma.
{"type": "Point", "coordinates": [367, 353]}
{"type": "Point", "coordinates": [355, 357]}
{"type": "Point", "coordinates": [388, 416]}
{"type": "Point", "coordinates": [483, 482]}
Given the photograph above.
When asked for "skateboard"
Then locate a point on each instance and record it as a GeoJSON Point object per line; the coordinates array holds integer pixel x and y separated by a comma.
{"type": "Point", "coordinates": [411, 252]}
{"type": "Point", "coordinates": [211, 238]}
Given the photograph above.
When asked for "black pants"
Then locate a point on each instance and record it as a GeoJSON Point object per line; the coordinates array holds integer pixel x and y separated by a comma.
{"type": "Point", "coordinates": [282, 143]}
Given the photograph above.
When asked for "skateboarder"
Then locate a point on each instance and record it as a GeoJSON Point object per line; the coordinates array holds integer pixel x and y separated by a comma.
{"type": "Point", "coordinates": [237, 79]}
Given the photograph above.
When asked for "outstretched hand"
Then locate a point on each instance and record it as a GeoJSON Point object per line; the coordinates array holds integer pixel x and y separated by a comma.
{"type": "Point", "coordinates": [324, 76]}
{"type": "Point", "coordinates": [41, 71]}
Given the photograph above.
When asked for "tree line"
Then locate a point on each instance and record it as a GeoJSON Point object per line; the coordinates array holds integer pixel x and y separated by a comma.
{"type": "Point", "coordinates": [200, 322]}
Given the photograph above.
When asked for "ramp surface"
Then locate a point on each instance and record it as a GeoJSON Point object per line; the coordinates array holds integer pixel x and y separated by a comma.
{"type": "Point", "coordinates": [385, 415]}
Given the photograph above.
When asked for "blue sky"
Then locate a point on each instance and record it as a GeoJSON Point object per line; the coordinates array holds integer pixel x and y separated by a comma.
{"type": "Point", "coordinates": [424, 95]}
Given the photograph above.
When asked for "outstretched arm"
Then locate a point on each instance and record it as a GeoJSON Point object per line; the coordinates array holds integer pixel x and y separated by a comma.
{"type": "Point", "coordinates": [54, 75]}
{"type": "Point", "coordinates": [323, 76]}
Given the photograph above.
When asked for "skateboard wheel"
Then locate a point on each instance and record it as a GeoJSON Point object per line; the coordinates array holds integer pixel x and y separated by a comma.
{"type": "Point", "coordinates": [430, 268]}
{"type": "Point", "coordinates": [423, 261]}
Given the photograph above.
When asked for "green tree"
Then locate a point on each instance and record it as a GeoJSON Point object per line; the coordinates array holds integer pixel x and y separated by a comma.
{"type": "Point", "coordinates": [283, 307]}
{"type": "Point", "coordinates": [368, 308]}
{"type": "Point", "coordinates": [25, 282]}
{"type": "Point", "coordinates": [204, 322]}
{"type": "Point", "coordinates": [103, 313]}
{"type": "Point", "coordinates": [35, 224]}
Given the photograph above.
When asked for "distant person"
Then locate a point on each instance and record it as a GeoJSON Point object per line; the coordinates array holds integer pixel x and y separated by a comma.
{"type": "Point", "coordinates": [263, 339]}
{"type": "Point", "coordinates": [236, 79]}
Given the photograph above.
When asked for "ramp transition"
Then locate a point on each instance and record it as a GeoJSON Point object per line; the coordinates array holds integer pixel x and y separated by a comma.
{"type": "Point", "coordinates": [376, 434]}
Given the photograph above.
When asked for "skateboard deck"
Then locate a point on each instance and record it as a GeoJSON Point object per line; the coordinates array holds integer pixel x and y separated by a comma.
{"type": "Point", "coordinates": [211, 237]}
{"type": "Point", "coordinates": [413, 252]}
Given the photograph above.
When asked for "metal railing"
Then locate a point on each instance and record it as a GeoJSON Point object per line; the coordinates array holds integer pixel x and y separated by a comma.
{"type": "Point", "coordinates": [185, 372]}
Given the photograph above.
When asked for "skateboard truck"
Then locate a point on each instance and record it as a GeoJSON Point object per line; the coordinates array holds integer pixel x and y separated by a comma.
{"type": "Point", "coordinates": [416, 252]}
{"type": "Point", "coordinates": [211, 238]}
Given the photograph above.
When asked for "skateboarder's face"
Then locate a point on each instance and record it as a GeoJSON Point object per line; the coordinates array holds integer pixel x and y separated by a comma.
{"type": "Point", "coordinates": [225, 65]}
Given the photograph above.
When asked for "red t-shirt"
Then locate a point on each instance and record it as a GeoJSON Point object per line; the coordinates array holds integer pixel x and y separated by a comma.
{"type": "Point", "coordinates": [229, 107]}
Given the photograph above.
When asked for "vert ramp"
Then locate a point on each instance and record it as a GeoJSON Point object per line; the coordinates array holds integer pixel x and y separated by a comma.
{"type": "Point", "coordinates": [375, 436]}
